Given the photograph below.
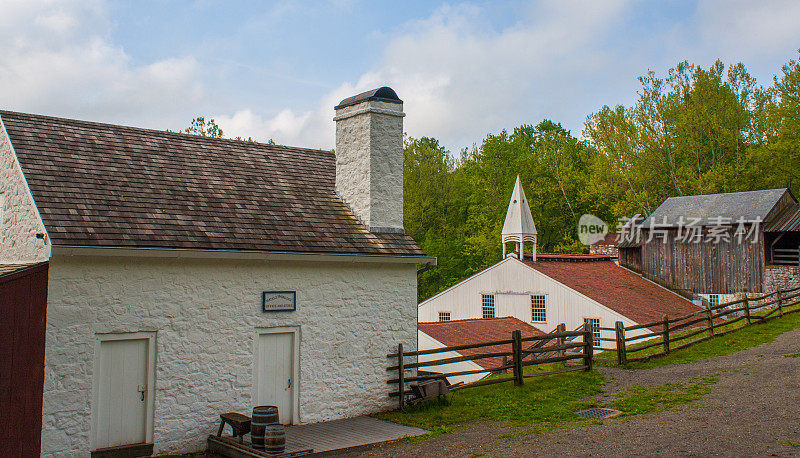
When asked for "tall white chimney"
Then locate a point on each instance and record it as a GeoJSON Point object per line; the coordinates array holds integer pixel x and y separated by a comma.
{"type": "Point", "coordinates": [369, 158]}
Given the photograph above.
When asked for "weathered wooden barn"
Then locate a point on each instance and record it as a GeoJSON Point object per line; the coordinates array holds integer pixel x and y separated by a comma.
{"type": "Point", "coordinates": [719, 244]}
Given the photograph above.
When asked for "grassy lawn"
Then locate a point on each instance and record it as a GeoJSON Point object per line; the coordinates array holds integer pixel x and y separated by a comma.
{"type": "Point", "coordinates": [643, 399]}
{"type": "Point", "coordinates": [743, 337]}
{"type": "Point", "coordinates": [548, 401]}
{"type": "Point", "coordinates": [542, 404]}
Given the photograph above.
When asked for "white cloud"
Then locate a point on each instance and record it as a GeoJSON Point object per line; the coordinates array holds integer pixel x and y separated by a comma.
{"type": "Point", "coordinates": [462, 78]}
{"type": "Point", "coordinates": [460, 75]}
{"type": "Point", "coordinates": [748, 29]}
{"type": "Point", "coordinates": [458, 78]}
{"type": "Point", "coordinates": [58, 59]}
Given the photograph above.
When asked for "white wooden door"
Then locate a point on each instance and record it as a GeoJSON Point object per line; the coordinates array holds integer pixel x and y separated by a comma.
{"type": "Point", "coordinates": [122, 392]}
{"type": "Point", "coordinates": [274, 373]}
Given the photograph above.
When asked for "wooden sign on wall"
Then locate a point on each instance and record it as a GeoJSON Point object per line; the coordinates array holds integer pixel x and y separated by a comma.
{"type": "Point", "coordinates": [278, 301]}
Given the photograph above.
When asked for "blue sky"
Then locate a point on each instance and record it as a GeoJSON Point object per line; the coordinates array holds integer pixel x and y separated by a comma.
{"type": "Point", "coordinates": [275, 69]}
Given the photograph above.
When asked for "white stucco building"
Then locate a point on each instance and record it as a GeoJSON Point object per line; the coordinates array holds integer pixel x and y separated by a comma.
{"type": "Point", "coordinates": [545, 290]}
{"type": "Point", "coordinates": [192, 276]}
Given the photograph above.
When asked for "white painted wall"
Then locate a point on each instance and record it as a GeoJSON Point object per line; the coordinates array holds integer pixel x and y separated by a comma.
{"type": "Point", "coordinates": [512, 283]}
{"type": "Point", "coordinates": [19, 218]}
{"type": "Point", "coordinates": [205, 314]}
{"type": "Point", "coordinates": [427, 342]}
{"type": "Point", "coordinates": [723, 298]}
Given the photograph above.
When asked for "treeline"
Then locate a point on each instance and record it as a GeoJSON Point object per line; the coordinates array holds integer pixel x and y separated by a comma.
{"type": "Point", "coordinates": [694, 131]}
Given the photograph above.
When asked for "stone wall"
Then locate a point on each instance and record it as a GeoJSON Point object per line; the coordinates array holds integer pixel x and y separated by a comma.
{"type": "Point", "coordinates": [205, 314]}
{"type": "Point", "coordinates": [781, 277]}
{"type": "Point", "coordinates": [19, 219]}
{"type": "Point", "coordinates": [606, 249]}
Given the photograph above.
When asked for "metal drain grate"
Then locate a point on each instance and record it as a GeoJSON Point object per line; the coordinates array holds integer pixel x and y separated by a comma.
{"type": "Point", "coordinates": [597, 412]}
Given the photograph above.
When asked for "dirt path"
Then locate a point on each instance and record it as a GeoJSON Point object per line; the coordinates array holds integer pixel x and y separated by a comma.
{"type": "Point", "coordinates": [754, 409]}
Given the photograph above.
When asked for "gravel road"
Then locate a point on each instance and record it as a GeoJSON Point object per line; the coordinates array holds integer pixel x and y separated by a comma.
{"type": "Point", "coordinates": [753, 410]}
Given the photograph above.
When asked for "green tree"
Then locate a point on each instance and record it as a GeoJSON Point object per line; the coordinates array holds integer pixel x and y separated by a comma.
{"type": "Point", "coordinates": [455, 209]}
{"type": "Point", "coordinates": [779, 152]}
{"type": "Point", "coordinates": [688, 133]}
{"type": "Point", "coordinates": [199, 126]}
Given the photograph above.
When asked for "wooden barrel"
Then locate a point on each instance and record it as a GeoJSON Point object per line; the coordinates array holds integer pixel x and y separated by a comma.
{"type": "Point", "coordinates": [275, 439]}
{"type": "Point", "coordinates": [263, 416]}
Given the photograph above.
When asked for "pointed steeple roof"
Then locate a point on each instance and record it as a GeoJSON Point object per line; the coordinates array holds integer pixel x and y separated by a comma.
{"type": "Point", "coordinates": [519, 226]}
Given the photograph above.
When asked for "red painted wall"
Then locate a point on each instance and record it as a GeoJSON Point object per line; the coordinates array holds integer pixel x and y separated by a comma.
{"type": "Point", "coordinates": [23, 306]}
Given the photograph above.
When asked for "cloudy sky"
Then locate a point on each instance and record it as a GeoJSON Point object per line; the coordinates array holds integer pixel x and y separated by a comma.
{"type": "Point", "coordinates": [275, 70]}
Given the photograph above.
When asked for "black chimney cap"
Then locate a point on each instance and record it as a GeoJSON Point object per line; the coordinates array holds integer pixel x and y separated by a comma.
{"type": "Point", "coordinates": [382, 94]}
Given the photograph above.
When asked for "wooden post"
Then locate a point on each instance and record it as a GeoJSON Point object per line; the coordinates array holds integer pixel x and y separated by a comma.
{"type": "Point", "coordinates": [588, 348]}
{"type": "Point", "coordinates": [560, 340]}
{"type": "Point", "coordinates": [666, 334]}
{"type": "Point", "coordinates": [780, 303]}
{"type": "Point", "coordinates": [401, 376]}
{"type": "Point", "coordinates": [622, 358]}
{"type": "Point", "coordinates": [516, 353]}
{"type": "Point", "coordinates": [747, 310]}
{"type": "Point", "coordinates": [709, 321]}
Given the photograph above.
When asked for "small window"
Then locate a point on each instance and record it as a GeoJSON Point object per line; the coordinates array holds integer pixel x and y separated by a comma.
{"type": "Point", "coordinates": [713, 300]}
{"type": "Point", "coordinates": [487, 305]}
{"type": "Point", "coordinates": [538, 308]}
{"type": "Point", "coordinates": [594, 325]}
{"type": "Point", "coordinates": [444, 316]}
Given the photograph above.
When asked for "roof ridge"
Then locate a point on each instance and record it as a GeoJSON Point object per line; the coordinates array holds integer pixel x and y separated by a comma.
{"type": "Point", "coordinates": [497, 318]}
{"type": "Point", "coordinates": [727, 193]}
{"type": "Point", "coordinates": [157, 131]}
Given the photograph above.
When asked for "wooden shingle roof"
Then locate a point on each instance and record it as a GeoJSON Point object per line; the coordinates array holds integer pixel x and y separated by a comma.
{"type": "Point", "coordinates": [104, 185]}
{"type": "Point", "coordinates": [746, 206]}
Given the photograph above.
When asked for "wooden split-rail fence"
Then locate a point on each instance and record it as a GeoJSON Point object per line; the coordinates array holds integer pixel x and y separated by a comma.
{"type": "Point", "coordinates": [558, 346]}
{"type": "Point", "coordinates": [562, 346]}
{"type": "Point", "coordinates": [664, 334]}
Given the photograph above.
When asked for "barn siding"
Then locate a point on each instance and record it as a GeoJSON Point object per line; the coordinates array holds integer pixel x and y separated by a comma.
{"type": "Point", "coordinates": [705, 267]}
{"type": "Point", "coordinates": [23, 304]}
{"type": "Point", "coordinates": [631, 257]}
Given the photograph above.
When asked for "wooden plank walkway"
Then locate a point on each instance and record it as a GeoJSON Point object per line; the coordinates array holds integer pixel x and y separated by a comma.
{"type": "Point", "coordinates": [350, 432]}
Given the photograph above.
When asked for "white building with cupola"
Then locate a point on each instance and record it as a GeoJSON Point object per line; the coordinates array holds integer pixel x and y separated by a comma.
{"type": "Point", "coordinates": [544, 290]}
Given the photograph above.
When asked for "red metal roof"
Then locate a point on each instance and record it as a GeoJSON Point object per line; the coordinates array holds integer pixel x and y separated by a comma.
{"type": "Point", "coordinates": [477, 330]}
{"type": "Point", "coordinates": [614, 287]}
{"type": "Point", "coordinates": [572, 257]}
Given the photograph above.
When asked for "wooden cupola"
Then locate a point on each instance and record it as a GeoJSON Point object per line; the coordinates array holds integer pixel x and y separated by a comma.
{"type": "Point", "coordinates": [519, 227]}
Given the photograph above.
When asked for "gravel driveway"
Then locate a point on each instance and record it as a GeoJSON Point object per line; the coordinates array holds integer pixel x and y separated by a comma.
{"type": "Point", "coordinates": [754, 409]}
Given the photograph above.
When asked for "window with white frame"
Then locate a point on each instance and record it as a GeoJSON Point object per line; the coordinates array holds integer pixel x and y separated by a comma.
{"type": "Point", "coordinates": [487, 305]}
{"type": "Point", "coordinates": [444, 316]}
{"type": "Point", "coordinates": [713, 300]}
{"type": "Point", "coordinates": [593, 324]}
{"type": "Point", "coordinates": [539, 308]}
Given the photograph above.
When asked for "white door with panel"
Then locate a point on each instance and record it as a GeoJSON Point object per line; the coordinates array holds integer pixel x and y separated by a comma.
{"type": "Point", "coordinates": [121, 392]}
{"type": "Point", "coordinates": [275, 382]}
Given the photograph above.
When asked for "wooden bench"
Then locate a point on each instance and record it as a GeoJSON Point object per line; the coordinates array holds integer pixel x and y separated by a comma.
{"type": "Point", "coordinates": [240, 424]}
